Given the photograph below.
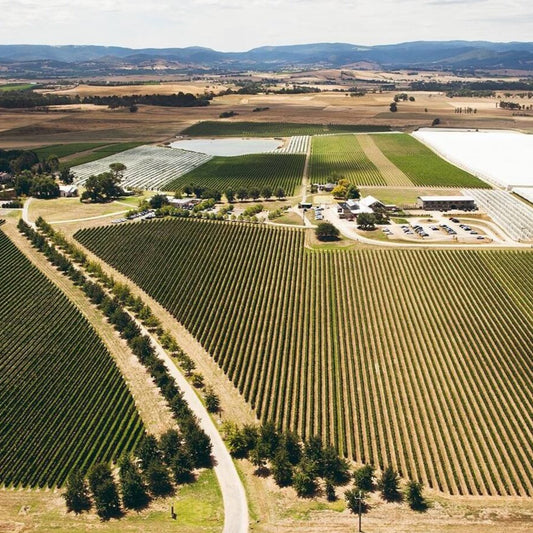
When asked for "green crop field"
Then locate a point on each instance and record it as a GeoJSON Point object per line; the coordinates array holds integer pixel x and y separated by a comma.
{"type": "Point", "coordinates": [16, 87]}
{"type": "Point", "coordinates": [63, 402]}
{"type": "Point", "coordinates": [419, 359]}
{"type": "Point", "coordinates": [342, 155]}
{"type": "Point", "coordinates": [246, 171]}
{"type": "Point", "coordinates": [63, 150]}
{"type": "Point", "coordinates": [100, 153]}
{"type": "Point", "coordinates": [272, 129]}
{"type": "Point", "coordinates": [423, 166]}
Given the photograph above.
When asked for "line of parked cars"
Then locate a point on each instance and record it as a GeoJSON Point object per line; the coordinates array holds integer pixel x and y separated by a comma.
{"type": "Point", "coordinates": [318, 212]}
{"type": "Point", "coordinates": [147, 215]}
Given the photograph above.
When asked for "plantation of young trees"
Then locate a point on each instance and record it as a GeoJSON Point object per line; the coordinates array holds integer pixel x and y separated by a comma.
{"type": "Point", "coordinates": [415, 359]}
{"type": "Point", "coordinates": [53, 419]}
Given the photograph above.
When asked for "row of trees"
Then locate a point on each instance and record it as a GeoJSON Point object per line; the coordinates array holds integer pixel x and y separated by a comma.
{"type": "Point", "coordinates": [191, 447]}
{"type": "Point", "coordinates": [290, 461]}
{"type": "Point", "coordinates": [241, 194]}
{"type": "Point", "coordinates": [30, 99]}
{"type": "Point", "coordinates": [155, 471]}
{"type": "Point", "coordinates": [365, 482]}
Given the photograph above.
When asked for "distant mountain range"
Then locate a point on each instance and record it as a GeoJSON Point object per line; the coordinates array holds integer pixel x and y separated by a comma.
{"type": "Point", "coordinates": [422, 54]}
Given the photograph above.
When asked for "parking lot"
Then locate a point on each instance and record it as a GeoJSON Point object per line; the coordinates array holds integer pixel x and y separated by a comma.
{"type": "Point", "coordinates": [436, 229]}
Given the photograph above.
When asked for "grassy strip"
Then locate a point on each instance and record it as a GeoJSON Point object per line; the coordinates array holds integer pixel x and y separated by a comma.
{"type": "Point", "coordinates": [64, 150]}
{"type": "Point", "coordinates": [272, 129]}
{"type": "Point", "coordinates": [423, 166]}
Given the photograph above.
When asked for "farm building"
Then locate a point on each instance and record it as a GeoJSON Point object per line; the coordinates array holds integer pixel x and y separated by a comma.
{"type": "Point", "coordinates": [446, 203]}
{"type": "Point", "coordinates": [183, 203]}
{"type": "Point", "coordinates": [324, 187]}
{"type": "Point", "coordinates": [351, 208]}
{"type": "Point", "coordinates": [68, 191]}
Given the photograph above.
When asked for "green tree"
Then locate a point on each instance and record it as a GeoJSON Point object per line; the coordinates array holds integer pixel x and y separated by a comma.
{"type": "Point", "coordinates": [352, 192]}
{"type": "Point", "coordinates": [52, 163]}
{"type": "Point", "coordinates": [333, 467]}
{"type": "Point", "coordinates": [158, 479]}
{"type": "Point", "coordinates": [148, 451]}
{"type": "Point", "coordinates": [364, 478]}
{"type": "Point", "coordinates": [66, 176]}
{"type": "Point", "coordinates": [291, 442]}
{"type": "Point", "coordinates": [133, 488]}
{"type": "Point", "coordinates": [170, 445]}
{"type": "Point", "coordinates": [242, 194]}
{"type": "Point", "coordinates": [44, 187]}
{"type": "Point", "coordinates": [101, 188]}
{"type": "Point", "coordinates": [414, 496]}
{"type": "Point", "coordinates": [182, 467]}
{"type": "Point", "coordinates": [230, 195]}
{"type": "Point", "coordinates": [212, 401]}
{"type": "Point", "coordinates": [254, 193]}
{"type": "Point", "coordinates": [77, 493]}
{"type": "Point", "coordinates": [104, 491]}
{"type": "Point", "coordinates": [266, 193]}
{"type": "Point", "coordinates": [280, 193]}
{"type": "Point", "coordinates": [117, 170]}
{"type": "Point", "coordinates": [330, 491]}
{"type": "Point", "coordinates": [366, 221]}
{"type": "Point", "coordinates": [304, 481]}
{"type": "Point", "coordinates": [23, 183]}
{"type": "Point", "coordinates": [325, 231]}
{"type": "Point", "coordinates": [282, 469]}
{"type": "Point", "coordinates": [158, 200]}
{"type": "Point", "coordinates": [388, 485]}
{"type": "Point", "coordinates": [393, 107]}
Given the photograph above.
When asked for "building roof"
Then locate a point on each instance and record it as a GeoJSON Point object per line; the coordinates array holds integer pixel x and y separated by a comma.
{"type": "Point", "coordinates": [446, 198]}
{"type": "Point", "coordinates": [68, 188]}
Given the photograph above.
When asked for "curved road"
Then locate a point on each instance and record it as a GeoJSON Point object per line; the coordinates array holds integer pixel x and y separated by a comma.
{"type": "Point", "coordinates": [236, 518]}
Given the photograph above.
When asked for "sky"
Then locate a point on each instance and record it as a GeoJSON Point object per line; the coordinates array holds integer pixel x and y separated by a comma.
{"type": "Point", "coordinates": [238, 25]}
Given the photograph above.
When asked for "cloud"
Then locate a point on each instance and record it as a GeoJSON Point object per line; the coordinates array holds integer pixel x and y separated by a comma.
{"type": "Point", "coordinates": [243, 24]}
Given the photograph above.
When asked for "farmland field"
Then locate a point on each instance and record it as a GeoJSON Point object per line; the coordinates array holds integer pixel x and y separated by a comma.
{"type": "Point", "coordinates": [105, 151]}
{"type": "Point", "coordinates": [63, 402]}
{"type": "Point", "coordinates": [272, 129]}
{"type": "Point", "coordinates": [147, 167]}
{"type": "Point", "coordinates": [421, 165]}
{"type": "Point", "coordinates": [253, 170]}
{"type": "Point", "coordinates": [64, 150]}
{"type": "Point", "coordinates": [342, 155]}
{"type": "Point", "coordinates": [419, 359]}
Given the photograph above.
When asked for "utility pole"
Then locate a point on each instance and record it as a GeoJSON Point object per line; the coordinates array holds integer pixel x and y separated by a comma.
{"type": "Point", "coordinates": [360, 502]}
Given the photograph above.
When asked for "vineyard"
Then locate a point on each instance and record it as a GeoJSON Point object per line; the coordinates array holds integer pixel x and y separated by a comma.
{"type": "Point", "coordinates": [147, 167]}
{"type": "Point", "coordinates": [272, 129]}
{"type": "Point", "coordinates": [423, 166]}
{"type": "Point", "coordinates": [63, 402]}
{"type": "Point", "coordinates": [245, 171]}
{"type": "Point", "coordinates": [419, 359]}
{"type": "Point", "coordinates": [342, 155]}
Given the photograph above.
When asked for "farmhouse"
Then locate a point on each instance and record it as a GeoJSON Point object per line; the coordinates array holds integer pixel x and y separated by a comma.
{"type": "Point", "coordinates": [351, 208]}
{"type": "Point", "coordinates": [68, 191]}
{"type": "Point", "coordinates": [446, 203]}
